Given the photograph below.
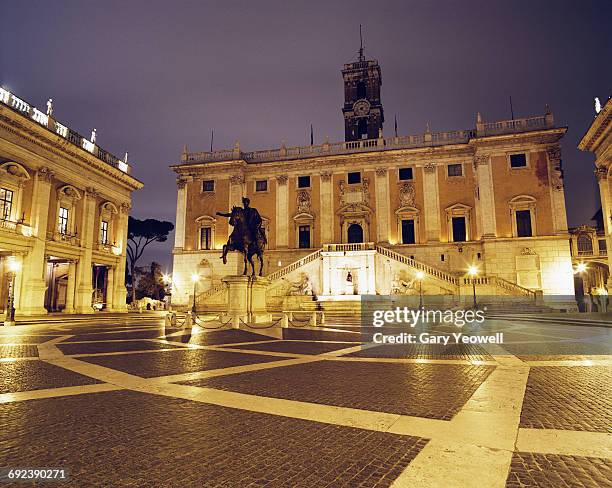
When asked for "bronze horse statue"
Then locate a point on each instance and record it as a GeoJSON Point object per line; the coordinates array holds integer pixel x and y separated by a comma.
{"type": "Point", "coordinates": [249, 241]}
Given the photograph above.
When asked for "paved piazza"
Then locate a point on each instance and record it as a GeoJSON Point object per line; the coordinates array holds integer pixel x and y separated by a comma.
{"type": "Point", "coordinates": [134, 404]}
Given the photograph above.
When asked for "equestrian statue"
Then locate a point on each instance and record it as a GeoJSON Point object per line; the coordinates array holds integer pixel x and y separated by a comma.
{"type": "Point", "coordinates": [248, 236]}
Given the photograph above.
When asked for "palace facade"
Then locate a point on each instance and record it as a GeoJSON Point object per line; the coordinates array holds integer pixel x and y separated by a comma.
{"type": "Point", "coordinates": [64, 205]}
{"type": "Point", "coordinates": [593, 248]}
{"type": "Point", "coordinates": [384, 208]}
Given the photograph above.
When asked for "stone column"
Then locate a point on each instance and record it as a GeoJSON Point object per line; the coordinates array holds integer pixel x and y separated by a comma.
{"type": "Point", "coordinates": [557, 192]}
{"type": "Point", "coordinates": [110, 288]}
{"type": "Point", "coordinates": [382, 205]}
{"type": "Point", "coordinates": [84, 289]}
{"type": "Point", "coordinates": [327, 208]}
{"type": "Point", "coordinates": [71, 287]}
{"type": "Point", "coordinates": [432, 202]}
{"type": "Point", "coordinates": [486, 202]}
{"type": "Point", "coordinates": [119, 290]}
{"type": "Point", "coordinates": [33, 269]}
{"type": "Point", "coordinates": [236, 191]}
{"type": "Point", "coordinates": [282, 212]}
{"type": "Point", "coordinates": [181, 212]}
{"type": "Point", "coordinates": [605, 193]}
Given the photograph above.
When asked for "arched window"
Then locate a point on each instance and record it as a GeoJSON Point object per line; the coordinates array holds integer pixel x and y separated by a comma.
{"type": "Point", "coordinates": [355, 233]}
{"type": "Point", "coordinates": [361, 89]}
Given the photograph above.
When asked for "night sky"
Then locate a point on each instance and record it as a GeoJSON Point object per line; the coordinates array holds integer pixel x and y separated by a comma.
{"type": "Point", "coordinates": [152, 76]}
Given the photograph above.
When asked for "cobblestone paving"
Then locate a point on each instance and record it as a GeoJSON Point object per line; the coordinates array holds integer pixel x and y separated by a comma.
{"type": "Point", "coordinates": [98, 347]}
{"type": "Point", "coordinates": [297, 347]}
{"type": "Point", "coordinates": [36, 375]}
{"type": "Point", "coordinates": [578, 398]}
{"type": "Point", "coordinates": [165, 363]}
{"type": "Point", "coordinates": [426, 351]}
{"type": "Point", "coordinates": [18, 351]}
{"type": "Point", "coordinates": [118, 438]}
{"type": "Point", "coordinates": [154, 433]}
{"type": "Point", "coordinates": [554, 471]}
{"type": "Point", "coordinates": [423, 390]}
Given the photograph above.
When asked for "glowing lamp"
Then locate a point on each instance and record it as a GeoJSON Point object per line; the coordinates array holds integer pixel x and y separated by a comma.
{"type": "Point", "coordinates": [166, 277]}
{"type": "Point", "coordinates": [13, 265]}
{"type": "Point", "coordinates": [472, 270]}
{"type": "Point", "coordinates": [581, 268]}
{"type": "Point", "coordinates": [195, 277]}
{"type": "Point", "coordinates": [116, 250]}
{"type": "Point", "coordinates": [420, 275]}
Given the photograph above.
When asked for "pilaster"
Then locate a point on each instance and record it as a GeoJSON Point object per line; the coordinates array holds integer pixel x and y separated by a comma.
{"type": "Point", "coordinates": [181, 212]}
{"type": "Point", "coordinates": [236, 191]}
{"type": "Point", "coordinates": [119, 290]}
{"type": "Point", "coordinates": [485, 196]}
{"type": "Point", "coordinates": [84, 289]}
{"type": "Point", "coordinates": [327, 208]}
{"type": "Point", "coordinates": [432, 202]}
{"type": "Point", "coordinates": [282, 212]}
{"type": "Point", "coordinates": [556, 189]}
{"type": "Point", "coordinates": [382, 204]}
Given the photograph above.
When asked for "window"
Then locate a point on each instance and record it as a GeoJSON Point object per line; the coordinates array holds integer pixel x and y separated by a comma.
{"type": "Point", "coordinates": [205, 237]}
{"type": "Point", "coordinates": [523, 223]}
{"type": "Point", "coordinates": [104, 232]}
{"type": "Point", "coordinates": [62, 224]}
{"type": "Point", "coordinates": [459, 229]}
{"type": "Point", "coordinates": [405, 173]}
{"type": "Point", "coordinates": [585, 244]}
{"type": "Point", "coordinates": [303, 181]}
{"type": "Point", "coordinates": [208, 185]}
{"type": "Point", "coordinates": [455, 170]}
{"type": "Point", "coordinates": [603, 248]}
{"type": "Point", "coordinates": [408, 235]}
{"type": "Point", "coordinates": [518, 160]}
{"type": "Point", "coordinates": [6, 203]}
{"type": "Point", "coordinates": [354, 177]}
{"type": "Point", "coordinates": [261, 185]}
{"type": "Point", "coordinates": [362, 128]}
{"type": "Point", "coordinates": [304, 236]}
{"type": "Point", "coordinates": [361, 89]}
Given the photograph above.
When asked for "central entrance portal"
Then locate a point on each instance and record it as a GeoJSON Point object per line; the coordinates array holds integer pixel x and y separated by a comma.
{"type": "Point", "coordinates": [355, 234]}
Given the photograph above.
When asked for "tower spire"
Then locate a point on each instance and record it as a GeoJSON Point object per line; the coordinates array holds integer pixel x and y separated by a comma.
{"type": "Point", "coordinates": [361, 56]}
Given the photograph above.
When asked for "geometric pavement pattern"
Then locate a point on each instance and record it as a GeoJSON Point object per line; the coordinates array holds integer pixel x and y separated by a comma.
{"type": "Point", "coordinates": [135, 404]}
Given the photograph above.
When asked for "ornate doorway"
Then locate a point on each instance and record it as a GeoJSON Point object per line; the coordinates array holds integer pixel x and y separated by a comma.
{"type": "Point", "coordinates": [355, 233]}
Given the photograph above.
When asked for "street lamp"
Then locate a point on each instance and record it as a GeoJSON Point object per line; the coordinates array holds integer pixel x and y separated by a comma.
{"type": "Point", "coordinates": [195, 278]}
{"type": "Point", "coordinates": [581, 267]}
{"type": "Point", "coordinates": [13, 267]}
{"type": "Point", "coordinates": [473, 272]}
{"type": "Point", "coordinates": [419, 276]}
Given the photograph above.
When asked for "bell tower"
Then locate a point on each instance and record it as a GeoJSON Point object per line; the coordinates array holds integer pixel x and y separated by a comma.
{"type": "Point", "coordinates": [363, 111]}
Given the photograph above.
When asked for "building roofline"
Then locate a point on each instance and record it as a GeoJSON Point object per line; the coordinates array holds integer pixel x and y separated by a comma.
{"type": "Point", "coordinates": [601, 123]}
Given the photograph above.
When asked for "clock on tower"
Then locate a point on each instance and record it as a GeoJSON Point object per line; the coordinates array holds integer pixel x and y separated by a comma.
{"type": "Point", "coordinates": [363, 111]}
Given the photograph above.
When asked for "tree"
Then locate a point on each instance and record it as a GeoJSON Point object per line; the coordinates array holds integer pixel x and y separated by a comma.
{"type": "Point", "coordinates": [151, 283]}
{"type": "Point", "coordinates": [141, 233]}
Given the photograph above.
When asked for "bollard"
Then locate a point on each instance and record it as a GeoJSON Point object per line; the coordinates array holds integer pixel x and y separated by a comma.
{"type": "Point", "coordinates": [322, 321]}
{"type": "Point", "coordinates": [313, 319]}
{"type": "Point", "coordinates": [285, 321]}
{"type": "Point", "coordinates": [170, 319]}
{"type": "Point", "coordinates": [188, 321]}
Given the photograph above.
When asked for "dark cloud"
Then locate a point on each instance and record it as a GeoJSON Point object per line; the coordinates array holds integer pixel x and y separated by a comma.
{"type": "Point", "coordinates": [152, 76]}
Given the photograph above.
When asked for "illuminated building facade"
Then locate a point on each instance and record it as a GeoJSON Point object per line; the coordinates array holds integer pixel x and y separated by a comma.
{"type": "Point", "coordinates": [382, 208]}
{"type": "Point", "coordinates": [598, 140]}
{"type": "Point", "coordinates": [64, 205]}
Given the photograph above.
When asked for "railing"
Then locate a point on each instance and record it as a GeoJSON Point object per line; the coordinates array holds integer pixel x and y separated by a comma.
{"type": "Point", "coordinates": [360, 246]}
{"type": "Point", "coordinates": [294, 265]}
{"type": "Point", "coordinates": [513, 287]}
{"type": "Point", "coordinates": [71, 239]}
{"type": "Point", "coordinates": [8, 225]}
{"type": "Point", "coordinates": [427, 139]}
{"type": "Point", "coordinates": [27, 110]}
{"type": "Point", "coordinates": [213, 290]}
{"type": "Point", "coordinates": [430, 270]}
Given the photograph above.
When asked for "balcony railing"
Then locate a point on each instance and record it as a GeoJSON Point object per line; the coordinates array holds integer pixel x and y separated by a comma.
{"type": "Point", "coordinates": [27, 110]}
{"type": "Point", "coordinates": [71, 239]}
{"type": "Point", "coordinates": [427, 139]}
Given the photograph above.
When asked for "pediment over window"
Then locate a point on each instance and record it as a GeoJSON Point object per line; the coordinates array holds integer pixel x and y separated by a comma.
{"type": "Point", "coordinates": [303, 217]}
{"type": "Point", "coordinates": [70, 192]}
{"type": "Point", "coordinates": [109, 207]}
{"type": "Point", "coordinates": [14, 170]}
{"type": "Point", "coordinates": [458, 209]}
{"type": "Point", "coordinates": [522, 200]}
{"type": "Point", "coordinates": [407, 210]}
{"type": "Point", "coordinates": [205, 219]}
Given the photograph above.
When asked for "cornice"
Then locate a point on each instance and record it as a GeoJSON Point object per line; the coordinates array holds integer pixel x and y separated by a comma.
{"type": "Point", "coordinates": [46, 140]}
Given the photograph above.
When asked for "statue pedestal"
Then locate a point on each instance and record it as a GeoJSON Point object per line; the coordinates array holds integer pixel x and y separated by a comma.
{"type": "Point", "coordinates": [237, 299]}
{"type": "Point", "coordinates": [258, 309]}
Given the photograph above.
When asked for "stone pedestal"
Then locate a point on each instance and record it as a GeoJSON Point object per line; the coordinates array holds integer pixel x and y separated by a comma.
{"type": "Point", "coordinates": [257, 308]}
{"type": "Point", "coordinates": [237, 299]}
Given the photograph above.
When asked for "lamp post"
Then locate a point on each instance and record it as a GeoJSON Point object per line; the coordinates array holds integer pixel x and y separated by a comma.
{"type": "Point", "coordinates": [581, 269]}
{"type": "Point", "coordinates": [473, 272]}
{"type": "Point", "coordinates": [420, 275]}
{"type": "Point", "coordinates": [195, 278]}
{"type": "Point", "coordinates": [13, 267]}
